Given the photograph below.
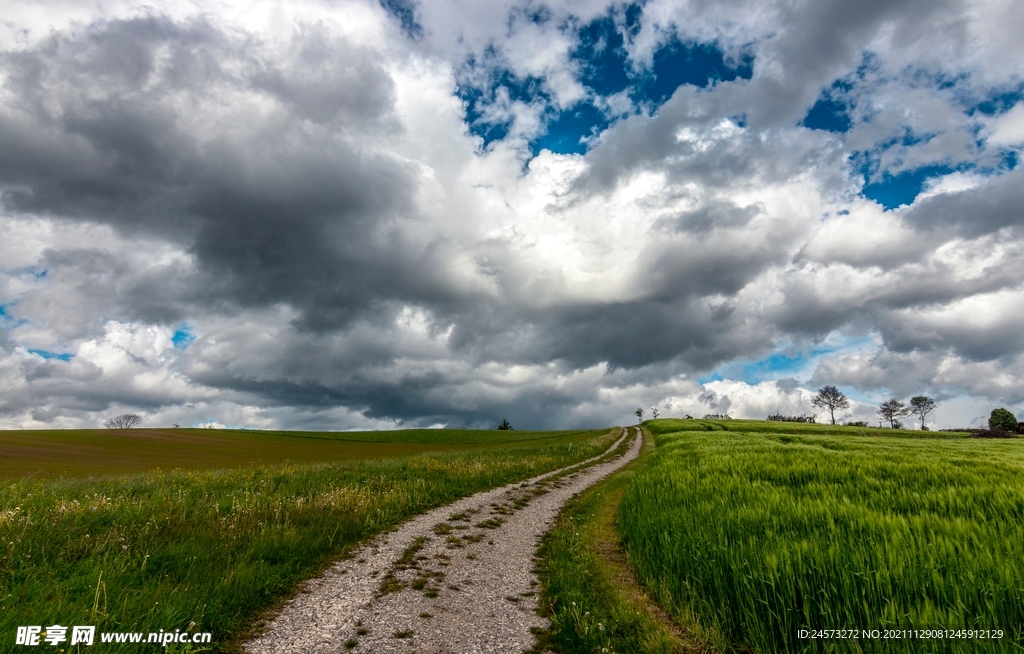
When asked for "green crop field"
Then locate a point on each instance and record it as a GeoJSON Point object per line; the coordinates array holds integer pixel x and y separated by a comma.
{"type": "Point", "coordinates": [208, 550]}
{"type": "Point", "coordinates": [441, 436]}
{"type": "Point", "coordinates": [88, 452]}
{"type": "Point", "coordinates": [753, 531]}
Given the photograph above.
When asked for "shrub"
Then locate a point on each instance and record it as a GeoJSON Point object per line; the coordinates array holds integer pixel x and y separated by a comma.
{"type": "Point", "coordinates": [856, 423]}
{"type": "Point", "coordinates": [124, 421]}
{"type": "Point", "coordinates": [778, 417]}
{"type": "Point", "coordinates": [1002, 419]}
{"type": "Point", "coordinates": [717, 416]}
{"type": "Point", "coordinates": [993, 433]}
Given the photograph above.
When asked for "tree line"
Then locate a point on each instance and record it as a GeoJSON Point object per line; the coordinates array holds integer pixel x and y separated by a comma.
{"type": "Point", "coordinates": [831, 399]}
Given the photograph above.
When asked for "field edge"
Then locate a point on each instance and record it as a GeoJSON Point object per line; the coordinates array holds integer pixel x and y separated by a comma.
{"type": "Point", "coordinates": [582, 558]}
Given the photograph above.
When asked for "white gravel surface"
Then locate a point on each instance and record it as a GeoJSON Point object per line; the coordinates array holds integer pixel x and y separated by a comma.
{"type": "Point", "coordinates": [456, 579]}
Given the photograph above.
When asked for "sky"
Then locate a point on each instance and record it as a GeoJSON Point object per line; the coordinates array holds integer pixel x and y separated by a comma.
{"type": "Point", "coordinates": [376, 215]}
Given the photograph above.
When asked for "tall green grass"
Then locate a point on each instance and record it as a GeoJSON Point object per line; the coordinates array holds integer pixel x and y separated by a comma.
{"type": "Point", "coordinates": [592, 605]}
{"type": "Point", "coordinates": [207, 551]}
{"type": "Point", "coordinates": [757, 534]}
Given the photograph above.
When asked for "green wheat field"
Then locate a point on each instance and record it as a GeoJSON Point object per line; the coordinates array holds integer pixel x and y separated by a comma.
{"type": "Point", "coordinates": [208, 550]}
{"type": "Point", "coordinates": [754, 530]}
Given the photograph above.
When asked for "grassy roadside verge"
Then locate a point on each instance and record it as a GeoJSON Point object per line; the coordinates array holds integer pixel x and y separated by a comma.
{"type": "Point", "coordinates": [588, 591]}
{"type": "Point", "coordinates": [209, 550]}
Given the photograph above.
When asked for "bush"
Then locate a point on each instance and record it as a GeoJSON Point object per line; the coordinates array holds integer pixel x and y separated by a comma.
{"type": "Point", "coordinates": [124, 421]}
{"type": "Point", "coordinates": [778, 417]}
{"type": "Point", "coordinates": [856, 423]}
{"type": "Point", "coordinates": [717, 416]}
{"type": "Point", "coordinates": [1002, 419]}
{"type": "Point", "coordinates": [993, 433]}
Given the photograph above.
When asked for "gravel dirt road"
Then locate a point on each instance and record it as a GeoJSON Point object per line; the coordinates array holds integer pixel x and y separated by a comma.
{"type": "Point", "coordinates": [457, 579]}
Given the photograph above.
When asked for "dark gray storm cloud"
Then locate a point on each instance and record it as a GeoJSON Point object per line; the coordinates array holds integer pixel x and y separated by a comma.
{"type": "Point", "coordinates": [975, 212]}
{"type": "Point", "coordinates": [279, 200]}
{"type": "Point", "coordinates": [722, 214]}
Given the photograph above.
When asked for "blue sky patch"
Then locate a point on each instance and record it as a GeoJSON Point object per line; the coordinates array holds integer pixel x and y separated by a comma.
{"type": "Point", "coordinates": [902, 188]}
{"type": "Point", "coordinates": [8, 321]}
{"type": "Point", "coordinates": [829, 115]}
{"type": "Point", "coordinates": [182, 338]}
{"type": "Point", "coordinates": [998, 102]}
{"type": "Point", "coordinates": [831, 111]}
{"type": "Point", "coordinates": [34, 272]}
{"type": "Point", "coordinates": [698, 64]}
{"type": "Point", "coordinates": [603, 67]}
{"type": "Point", "coordinates": [778, 365]}
{"type": "Point", "coordinates": [788, 361]}
{"type": "Point", "coordinates": [601, 57]}
{"type": "Point", "coordinates": [568, 132]}
{"type": "Point", "coordinates": [710, 378]}
{"type": "Point", "coordinates": [476, 100]}
{"type": "Point", "coordinates": [46, 354]}
{"type": "Point", "coordinates": [405, 12]}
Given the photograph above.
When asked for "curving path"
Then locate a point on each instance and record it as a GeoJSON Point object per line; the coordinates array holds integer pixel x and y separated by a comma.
{"type": "Point", "coordinates": [456, 579]}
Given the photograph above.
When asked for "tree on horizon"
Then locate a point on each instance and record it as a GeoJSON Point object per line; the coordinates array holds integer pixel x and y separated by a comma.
{"type": "Point", "coordinates": [921, 406]}
{"type": "Point", "coordinates": [124, 421]}
{"type": "Point", "coordinates": [892, 410]}
{"type": "Point", "coordinates": [831, 398]}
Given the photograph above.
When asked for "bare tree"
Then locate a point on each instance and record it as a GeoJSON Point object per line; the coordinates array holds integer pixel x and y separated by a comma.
{"type": "Point", "coordinates": [892, 410]}
{"type": "Point", "coordinates": [921, 406]}
{"type": "Point", "coordinates": [504, 426]}
{"type": "Point", "coordinates": [639, 414]}
{"type": "Point", "coordinates": [831, 398]}
{"type": "Point", "coordinates": [124, 421]}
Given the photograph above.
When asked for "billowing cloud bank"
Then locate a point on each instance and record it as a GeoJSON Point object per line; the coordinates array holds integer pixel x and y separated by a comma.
{"type": "Point", "coordinates": [351, 214]}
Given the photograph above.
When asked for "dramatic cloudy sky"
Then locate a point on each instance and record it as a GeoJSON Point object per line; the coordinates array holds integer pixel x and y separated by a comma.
{"type": "Point", "coordinates": [353, 214]}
